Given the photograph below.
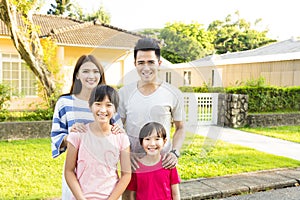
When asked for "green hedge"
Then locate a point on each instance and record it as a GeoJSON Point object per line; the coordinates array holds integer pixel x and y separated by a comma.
{"type": "Point", "coordinates": [270, 98]}
{"type": "Point", "coordinates": [38, 115]}
{"type": "Point", "coordinates": [261, 98]}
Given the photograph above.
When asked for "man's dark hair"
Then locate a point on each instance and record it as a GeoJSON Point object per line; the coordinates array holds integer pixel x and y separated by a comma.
{"type": "Point", "coordinates": [147, 44]}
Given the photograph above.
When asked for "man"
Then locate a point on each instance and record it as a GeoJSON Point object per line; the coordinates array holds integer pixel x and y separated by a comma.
{"type": "Point", "coordinates": [151, 99]}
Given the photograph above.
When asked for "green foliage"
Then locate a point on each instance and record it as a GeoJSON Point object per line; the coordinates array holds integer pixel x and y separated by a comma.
{"type": "Point", "coordinates": [37, 115]}
{"type": "Point", "coordinates": [101, 15]}
{"type": "Point", "coordinates": [260, 82]}
{"type": "Point", "coordinates": [184, 42]}
{"type": "Point", "coordinates": [202, 89]}
{"type": "Point", "coordinates": [150, 32]}
{"type": "Point", "coordinates": [236, 35]}
{"type": "Point", "coordinates": [4, 95]}
{"type": "Point", "coordinates": [60, 7]}
{"type": "Point", "coordinates": [50, 54]}
{"type": "Point", "coordinates": [24, 6]}
{"type": "Point", "coordinates": [269, 98]}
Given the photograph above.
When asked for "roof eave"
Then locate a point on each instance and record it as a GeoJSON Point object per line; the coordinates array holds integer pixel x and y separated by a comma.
{"type": "Point", "coordinates": [93, 46]}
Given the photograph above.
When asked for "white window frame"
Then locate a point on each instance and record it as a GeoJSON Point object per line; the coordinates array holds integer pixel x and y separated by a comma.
{"type": "Point", "coordinates": [169, 77]}
{"type": "Point", "coordinates": [187, 78]}
{"type": "Point", "coordinates": [15, 58]}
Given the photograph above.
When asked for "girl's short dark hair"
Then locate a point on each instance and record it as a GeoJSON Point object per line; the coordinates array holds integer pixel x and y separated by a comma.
{"type": "Point", "coordinates": [149, 128]}
{"type": "Point", "coordinates": [99, 93]}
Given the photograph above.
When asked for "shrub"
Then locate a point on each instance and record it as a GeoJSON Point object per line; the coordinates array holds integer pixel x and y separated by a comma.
{"type": "Point", "coordinates": [4, 95]}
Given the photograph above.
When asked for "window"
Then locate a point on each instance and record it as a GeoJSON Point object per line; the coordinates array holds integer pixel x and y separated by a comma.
{"type": "Point", "coordinates": [15, 73]}
{"type": "Point", "coordinates": [187, 78]}
{"type": "Point", "coordinates": [168, 77]}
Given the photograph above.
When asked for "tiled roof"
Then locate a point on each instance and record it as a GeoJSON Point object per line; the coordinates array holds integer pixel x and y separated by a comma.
{"type": "Point", "coordinates": [71, 32]}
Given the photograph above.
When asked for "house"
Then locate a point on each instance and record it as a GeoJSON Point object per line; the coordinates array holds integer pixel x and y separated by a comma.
{"type": "Point", "coordinates": [278, 63]}
{"type": "Point", "coordinates": [113, 47]}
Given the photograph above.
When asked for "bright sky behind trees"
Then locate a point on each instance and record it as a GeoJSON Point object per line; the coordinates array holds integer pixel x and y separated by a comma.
{"type": "Point", "coordinates": [281, 17]}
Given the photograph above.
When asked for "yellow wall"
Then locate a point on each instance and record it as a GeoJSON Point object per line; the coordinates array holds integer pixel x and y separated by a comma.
{"type": "Point", "coordinates": [111, 59]}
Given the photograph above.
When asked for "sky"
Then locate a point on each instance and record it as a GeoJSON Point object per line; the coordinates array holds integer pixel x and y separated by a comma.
{"type": "Point", "coordinates": [281, 17]}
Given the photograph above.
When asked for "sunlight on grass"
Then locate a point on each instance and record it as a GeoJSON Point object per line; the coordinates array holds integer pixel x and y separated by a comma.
{"type": "Point", "coordinates": [203, 157]}
{"type": "Point", "coordinates": [289, 133]}
{"type": "Point", "coordinates": [28, 171]}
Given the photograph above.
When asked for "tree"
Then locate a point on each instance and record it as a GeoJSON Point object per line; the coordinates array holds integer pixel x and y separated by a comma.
{"type": "Point", "coordinates": [60, 8]}
{"type": "Point", "coordinates": [26, 40]}
{"type": "Point", "coordinates": [100, 15]}
{"type": "Point", "coordinates": [185, 42]}
{"type": "Point", "coordinates": [236, 35]}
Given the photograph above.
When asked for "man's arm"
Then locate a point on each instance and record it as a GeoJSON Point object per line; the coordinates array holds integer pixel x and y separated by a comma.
{"type": "Point", "coordinates": [170, 159]}
{"type": "Point", "coordinates": [179, 135]}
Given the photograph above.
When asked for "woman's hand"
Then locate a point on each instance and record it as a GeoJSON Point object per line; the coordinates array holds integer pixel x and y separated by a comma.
{"type": "Point", "coordinates": [78, 127]}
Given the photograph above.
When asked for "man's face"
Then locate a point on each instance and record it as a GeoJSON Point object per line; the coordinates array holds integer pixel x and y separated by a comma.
{"type": "Point", "coordinates": [147, 66]}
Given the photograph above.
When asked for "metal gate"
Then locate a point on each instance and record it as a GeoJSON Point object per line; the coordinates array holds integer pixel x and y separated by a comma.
{"type": "Point", "coordinates": [201, 108]}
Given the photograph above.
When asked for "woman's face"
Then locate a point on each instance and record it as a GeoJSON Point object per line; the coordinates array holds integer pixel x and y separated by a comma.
{"type": "Point", "coordinates": [89, 75]}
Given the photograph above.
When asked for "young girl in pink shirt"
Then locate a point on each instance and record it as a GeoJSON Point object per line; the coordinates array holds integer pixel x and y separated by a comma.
{"type": "Point", "coordinates": [152, 181]}
{"type": "Point", "coordinates": [91, 168]}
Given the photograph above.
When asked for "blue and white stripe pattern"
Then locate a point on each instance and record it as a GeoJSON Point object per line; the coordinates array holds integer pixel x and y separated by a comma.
{"type": "Point", "coordinates": [68, 111]}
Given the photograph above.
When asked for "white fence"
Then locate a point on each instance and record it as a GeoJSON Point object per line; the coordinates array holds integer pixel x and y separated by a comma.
{"type": "Point", "coordinates": [201, 108]}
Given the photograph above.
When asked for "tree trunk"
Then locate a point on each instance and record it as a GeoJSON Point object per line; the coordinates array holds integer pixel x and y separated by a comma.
{"type": "Point", "coordinates": [27, 43]}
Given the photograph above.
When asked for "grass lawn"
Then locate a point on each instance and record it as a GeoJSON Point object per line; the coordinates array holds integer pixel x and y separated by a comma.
{"type": "Point", "coordinates": [290, 133]}
{"type": "Point", "coordinates": [27, 170]}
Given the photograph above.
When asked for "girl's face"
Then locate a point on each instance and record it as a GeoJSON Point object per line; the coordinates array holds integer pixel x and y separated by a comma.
{"type": "Point", "coordinates": [89, 75]}
{"type": "Point", "coordinates": [103, 111]}
{"type": "Point", "coordinates": [153, 144]}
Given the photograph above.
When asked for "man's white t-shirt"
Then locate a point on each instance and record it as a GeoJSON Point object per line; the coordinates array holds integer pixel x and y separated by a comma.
{"type": "Point", "coordinates": [163, 105]}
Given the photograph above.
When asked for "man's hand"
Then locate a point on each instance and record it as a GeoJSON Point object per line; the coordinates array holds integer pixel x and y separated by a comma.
{"type": "Point", "coordinates": [134, 162]}
{"type": "Point", "coordinates": [116, 129]}
{"type": "Point", "coordinates": [169, 160]}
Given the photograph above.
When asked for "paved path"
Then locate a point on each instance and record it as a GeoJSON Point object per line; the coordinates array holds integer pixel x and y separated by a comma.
{"type": "Point", "coordinates": [259, 142]}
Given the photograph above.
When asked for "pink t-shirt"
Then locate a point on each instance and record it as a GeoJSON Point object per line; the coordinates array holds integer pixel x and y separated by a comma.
{"type": "Point", "coordinates": [97, 161]}
{"type": "Point", "coordinates": [153, 182]}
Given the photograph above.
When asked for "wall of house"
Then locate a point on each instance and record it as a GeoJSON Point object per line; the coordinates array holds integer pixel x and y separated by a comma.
{"type": "Point", "coordinates": [113, 60]}
{"type": "Point", "coordinates": [279, 73]}
{"type": "Point", "coordinates": [199, 75]}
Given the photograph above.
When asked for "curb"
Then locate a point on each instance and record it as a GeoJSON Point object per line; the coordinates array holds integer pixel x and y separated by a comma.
{"type": "Point", "coordinates": [226, 186]}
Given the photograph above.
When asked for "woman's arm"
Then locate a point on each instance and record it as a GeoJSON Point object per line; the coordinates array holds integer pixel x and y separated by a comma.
{"type": "Point", "coordinates": [70, 175]}
{"type": "Point", "coordinates": [125, 175]}
{"type": "Point", "coordinates": [59, 130]}
{"type": "Point", "coordinates": [175, 192]}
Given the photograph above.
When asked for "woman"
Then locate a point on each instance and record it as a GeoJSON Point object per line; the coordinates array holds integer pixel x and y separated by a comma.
{"type": "Point", "coordinates": [72, 110]}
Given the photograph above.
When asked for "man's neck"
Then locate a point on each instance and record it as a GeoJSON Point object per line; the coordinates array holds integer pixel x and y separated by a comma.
{"type": "Point", "coordinates": [148, 88]}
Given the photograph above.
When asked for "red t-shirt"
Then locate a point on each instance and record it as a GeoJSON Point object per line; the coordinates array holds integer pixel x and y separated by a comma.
{"type": "Point", "coordinates": [153, 182]}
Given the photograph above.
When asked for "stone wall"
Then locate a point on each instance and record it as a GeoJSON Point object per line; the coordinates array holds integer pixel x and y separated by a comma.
{"type": "Point", "coordinates": [233, 109]}
{"type": "Point", "coordinates": [268, 120]}
{"type": "Point", "coordinates": [24, 130]}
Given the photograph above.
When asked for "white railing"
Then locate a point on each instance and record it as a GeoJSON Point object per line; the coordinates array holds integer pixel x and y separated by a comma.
{"type": "Point", "coordinates": [201, 108]}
